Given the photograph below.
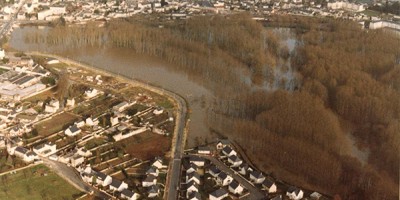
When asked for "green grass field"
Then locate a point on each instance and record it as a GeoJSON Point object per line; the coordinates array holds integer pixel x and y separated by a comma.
{"type": "Point", "coordinates": [36, 183]}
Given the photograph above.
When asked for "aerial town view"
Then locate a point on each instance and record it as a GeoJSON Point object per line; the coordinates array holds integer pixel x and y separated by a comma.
{"type": "Point", "coordinates": [199, 99]}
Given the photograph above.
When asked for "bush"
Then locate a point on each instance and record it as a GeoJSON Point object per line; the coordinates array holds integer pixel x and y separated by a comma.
{"type": "Point", "coordinates": [48, 81]}
{"type": "Point", "coordinates": [19, 54]}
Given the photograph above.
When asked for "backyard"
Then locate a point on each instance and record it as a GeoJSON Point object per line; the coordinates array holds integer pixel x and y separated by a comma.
{"type": "Point", "coordinates": [146, 145]}
{"type": "Point", "coordinates": [55, 124]}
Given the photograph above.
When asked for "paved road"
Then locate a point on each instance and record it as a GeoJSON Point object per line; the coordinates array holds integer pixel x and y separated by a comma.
{"type": "Point", "coordinates": [179, 137]}
{"type": "Point", "coordinates": [175, 167]}
{"type": "Point", "coordinates": [255, 193]}
{"type": "Point", "coordinates": [72, 177]}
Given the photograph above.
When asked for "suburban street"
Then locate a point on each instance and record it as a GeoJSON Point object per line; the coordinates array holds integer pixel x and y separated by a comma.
{"type": "Point", "coordinates": [255, 193]}
{"type": "Point", "coordinates": [175, 167]}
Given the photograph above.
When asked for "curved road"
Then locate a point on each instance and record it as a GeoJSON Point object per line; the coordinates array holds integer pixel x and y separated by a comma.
{"type": "Point", "coordinates": [73, 177]}
{"type": "Point", "coordinates": [178, 140]}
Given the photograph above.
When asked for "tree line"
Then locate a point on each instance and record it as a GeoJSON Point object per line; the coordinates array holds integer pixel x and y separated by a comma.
{"type": "Point", "coordinates": [350, 84]}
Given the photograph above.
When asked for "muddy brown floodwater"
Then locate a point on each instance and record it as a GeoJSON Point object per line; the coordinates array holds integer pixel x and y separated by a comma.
{"type": "Point", "coordinates": [156, 72]}
{"type": "Point", "coordinates": [147, 69]}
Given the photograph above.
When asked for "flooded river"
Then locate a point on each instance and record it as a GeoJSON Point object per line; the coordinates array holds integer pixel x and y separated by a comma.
{"type": "Point", "coordinates": [156, 72]}
{"type": "Point", "coordinates": [143, 68]}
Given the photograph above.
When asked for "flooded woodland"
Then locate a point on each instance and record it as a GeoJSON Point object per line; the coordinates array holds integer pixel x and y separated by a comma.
{"type": "Point", "coordinates": [315, 102]}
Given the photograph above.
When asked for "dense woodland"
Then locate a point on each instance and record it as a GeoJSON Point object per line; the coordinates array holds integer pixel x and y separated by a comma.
{"type": "Point", "coordinates": [350, 84]}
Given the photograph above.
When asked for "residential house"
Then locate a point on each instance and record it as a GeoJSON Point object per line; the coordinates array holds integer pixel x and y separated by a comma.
{"type": "Point", "coordinates": [235, 161]}
{"type": "Point", "coordinates": [224, 179]}
{"type": "Point", "coordinates": [129, 195]}
{"type": "Point", "coordinates": [89, 78]}
{"type": "Point", "coordinates": [84, 152]}
{"type": "Point", "coordinates": [72, 130]}
{"type": "Point", "coordinates": [192, 186]}
{"type": "Point", "coordinates": [194, 176]}
{"type": "Point", "coordinates": [87, 177]}
{"type": "Point", "coordinates": [269, 186]}
{"type": "Point", "coordinates": [87, 170]}
{"type": "Point", "coordinates": [294, 193]}
{"type": "Point", "coordinates": [102, 179]}
{"type": "Point", "coordinates": [114, 120]}
{"type": "Point", "coordinates": [52, 106]}
{"type": "Point", "coordinates": [152, 171]}
{"type": "Point", "coordinates": [194, 196]}
{"type": "Point", "coordinates": [198, 161]}
{"type": "Point", "coordinates": [17, 140]}
{"type": "Point", "coordinates": [227, 151]}
{"type": "Point", "coordinates": [218, 194]}
{"type": "Point", "coordinates": [70, 102]}
{"type": "Point", "coordinates": [25, 154]}
{"type": "Point", "coordinates": [121, 106]}
{"type": "Point", "coordinates": [91, 122]}
{"type": "Point", "coordinates": [80, 124]}
{"type": "Point", "coordinates": [158, 111]}
{"type": "Point", "coordinates": [191, 168]}
{"type": "Point", "coordinates": [214, 171]}
{"type": "Point", "coordinates": [30, 156]}
{"type": "Point", "coordinates": [159, 164]}
{"type": "Point", "coordinates": [150, 180]}
{"type": "Point", "coordinates": [77, 160]}
{"type": "Point", "coordinates": [204, 150]}
{"type": "Point", "coordinates": [153, 191]}
{"type": "Point", "coordinates": [66, 158]}
{"type": "Point", "coordinates": [244, 169]}
{"type": "Point", "coordinates": [126, 133]}
{"type": "Point", "coordinates": [315, 195]}
{"type": "Point", "coordinates": [20, 152]}
{"type": "Point", "coordinates": [11, 148]}
{"type": "Point", "coordinates": [235, 188]}
{"type": "Point", "coordinates": [45, 149]}
{"type": "Point", "coordinates": [91, 93]}
{"type": "Point", "coordinates": [16, 131]}
{"type": "Point", "coordinates": [257, 177]}
{"type": "Point", "coordinates": [117, 185]}
{"type": "Point", "coordinates": [159, 131]}
{"type": "Point", "coordinates": [223, 143]}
